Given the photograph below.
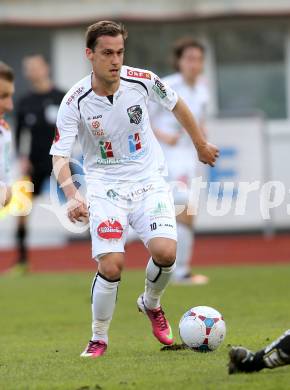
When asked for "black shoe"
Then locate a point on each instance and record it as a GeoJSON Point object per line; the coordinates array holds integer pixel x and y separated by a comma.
{"type": "Point", "coordinates": [241, 360]}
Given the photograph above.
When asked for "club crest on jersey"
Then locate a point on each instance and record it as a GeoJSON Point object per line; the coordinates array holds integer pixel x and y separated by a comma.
{"type": "Point", "coordinates": [138, 74]}
{"type": "Point", "coordinates": [134, 142]}
{"type": "Point", "coordinates": [106, 149]}
{"type": "Point", "coordinates": [110, 229]}
{"type": "Point", "coordinates": [135, 114]}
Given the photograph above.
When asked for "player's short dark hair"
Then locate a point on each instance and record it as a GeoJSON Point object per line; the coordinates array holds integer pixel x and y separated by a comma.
{"type": "Point", "coordinates": [104, 27]}
{"type": "Point", "coordinates": [6, 72]}
{"type": "Point", "coordinates": [181, 45]}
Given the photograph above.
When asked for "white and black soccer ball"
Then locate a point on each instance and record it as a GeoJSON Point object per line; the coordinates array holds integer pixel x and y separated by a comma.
{"type": "Point", "coordinates": [202, 328]}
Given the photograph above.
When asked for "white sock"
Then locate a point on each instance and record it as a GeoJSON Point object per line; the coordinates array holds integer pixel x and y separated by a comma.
{"type": "Point", "coordinates": [185, 240]}
{"type": "Point", "coordinates": [157, 278]}
{"type": "Point", "coordinates": [104, 295]}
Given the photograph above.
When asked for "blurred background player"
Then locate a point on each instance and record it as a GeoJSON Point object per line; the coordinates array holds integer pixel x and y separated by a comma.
{"type": "Point", "coordinates": [36, 116]}
{"type": "Point", "coordinates": [274, 355]}
{"type": "Point", "coordinates": [179, 152]}
{"type": "Point", "coordinates": [6, 105]}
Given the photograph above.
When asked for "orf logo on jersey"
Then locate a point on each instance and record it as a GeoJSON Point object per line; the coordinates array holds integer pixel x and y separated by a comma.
{"type": "Point", "coordinates": [106, 149]}
{"type": "Point", "coordinates": [135, 114]}
{"type": "Point", "coordinates": [134, 142]}
{"type": "Point", "coordinates": [138, 74]}
{"type": "Point", "coordinates": [110, 229]}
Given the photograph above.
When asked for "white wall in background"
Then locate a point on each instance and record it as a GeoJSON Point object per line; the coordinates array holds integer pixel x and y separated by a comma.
{"type": "Point", "coordinates": [69, 61]}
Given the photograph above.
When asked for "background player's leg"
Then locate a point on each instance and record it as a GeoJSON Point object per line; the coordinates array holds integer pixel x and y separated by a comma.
{"type": "Point", "coordinates": [185, 237]}
{"type": "Point", "coordinates": [22, 222]}
{"type": "Point", "coordinates": [104, 294]}
{"type": "Point", "coordinates": [185, 245]}
{"type": "Point", "coordinates": [21, 236]}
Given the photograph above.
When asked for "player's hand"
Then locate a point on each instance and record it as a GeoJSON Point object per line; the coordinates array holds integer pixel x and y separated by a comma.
{"type": "Point", "coordinates": [207, 153]}
{"type": "Point", "coordinates": [77, 209]}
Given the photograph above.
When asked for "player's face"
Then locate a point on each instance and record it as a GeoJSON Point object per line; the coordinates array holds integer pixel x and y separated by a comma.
{"type": "Point", "coordinates": [6, 94]}
{"type": "Point", "coordinates": [191, 63]}
{"type": "Point", "coordinates": [107, 58]}
{"type": "Point", "coordinates": [35, 69]}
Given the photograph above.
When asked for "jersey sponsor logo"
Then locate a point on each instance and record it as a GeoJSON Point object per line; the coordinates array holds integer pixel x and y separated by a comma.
{"type": "Point", "coordinates": [95, 124]}
{"type": "Point", "coordinates": [98, 132]}
{"type": "Point", "coordinates": [106, 149]}
{"type": "Point", "coordinates": [138, 74]}
{"type": "Point", "coordinates": [132, 195]}
{"type": "Point", "coordinates": [74, 95]}
{"type": "Point", "coordinates": [161, 210]}
{"type": "Point", "coordinates": [110, 229]}
{"type": "Point", "coordinates": [141, 191]}
{"type": "Point", "coordinates": [159, 88]}
{"type": "Point", "coordinates": [122, 160]}
{"type": "Point", "coordinates": [112, 194]}
{"type": "Point", "coordinates": [134, 142]}
{"type": "Point", "coordinates": [56, 135]}
{"type": "Point", "coordinates": [90, 118]}
{"type": "Point", "coordinates": [135, 114]}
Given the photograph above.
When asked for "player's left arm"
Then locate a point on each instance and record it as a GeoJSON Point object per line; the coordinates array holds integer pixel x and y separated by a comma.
{"type": "Point", "coordinates": [207, 153]}
{"type": "Point", "coordinates": [164, 95]}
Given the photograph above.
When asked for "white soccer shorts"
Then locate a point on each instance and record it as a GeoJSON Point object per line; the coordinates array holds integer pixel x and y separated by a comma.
{"type": "Point", "coordinates": [148, 208]}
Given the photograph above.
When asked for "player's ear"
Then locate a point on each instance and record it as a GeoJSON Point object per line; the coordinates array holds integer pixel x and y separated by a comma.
{"type": "Point", "coordinates": [89, 53]}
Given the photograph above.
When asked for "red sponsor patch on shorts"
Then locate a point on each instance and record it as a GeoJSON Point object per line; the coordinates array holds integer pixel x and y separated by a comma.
{"type": "Point", "coordinates": [110, 229]}
{"type": "Point", "coordinates": [139, 75]}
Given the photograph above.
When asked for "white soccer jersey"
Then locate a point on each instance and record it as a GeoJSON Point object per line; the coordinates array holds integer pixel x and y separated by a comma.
{"type": "Point", "coordinates": [5, 152]}
{"type": "Point", "coordinates": [117, 141]}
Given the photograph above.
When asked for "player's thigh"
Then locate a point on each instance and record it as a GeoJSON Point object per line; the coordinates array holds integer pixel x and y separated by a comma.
{"type": "Point", "coordinates": [108, 227]}
{"type": "Point", "coordinates": [155, 217]}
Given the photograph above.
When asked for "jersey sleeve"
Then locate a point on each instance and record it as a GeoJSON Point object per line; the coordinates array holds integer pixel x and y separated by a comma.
{"type": "Point", "coordinates": [66, 130]}
{"type": "Point", "coordinates": [161, 93]}
{"type": "Point", "coordinates": [6, 158]}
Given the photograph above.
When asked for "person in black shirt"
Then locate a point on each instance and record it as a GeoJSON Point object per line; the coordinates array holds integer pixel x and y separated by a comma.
{"type": "Point", "coordinates": [36, 115]}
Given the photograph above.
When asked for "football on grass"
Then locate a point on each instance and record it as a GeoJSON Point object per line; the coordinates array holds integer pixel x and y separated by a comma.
{"type": "Point", "coordinates": [202, 328]}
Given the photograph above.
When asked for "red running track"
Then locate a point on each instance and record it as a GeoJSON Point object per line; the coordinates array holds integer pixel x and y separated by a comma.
{"type": "Point", "coordinates": [209, 251]}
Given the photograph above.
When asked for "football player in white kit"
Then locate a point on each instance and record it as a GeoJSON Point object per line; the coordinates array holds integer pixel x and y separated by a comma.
{"type": "Point", "coordinates": [124, 168]}
{"type": "Point", "coordinates": [179, 151]}
{"type": "Point", "coordinates": [6, 105]}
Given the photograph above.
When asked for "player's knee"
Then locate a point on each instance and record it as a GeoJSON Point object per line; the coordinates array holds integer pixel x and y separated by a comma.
{"type": "Point", "coordinates": [111, 266]}
{"type": "Point", "coordinates": [165, 254]}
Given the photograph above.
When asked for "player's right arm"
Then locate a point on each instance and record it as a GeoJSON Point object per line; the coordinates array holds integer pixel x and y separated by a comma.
{"type": "Point", "coordinates": [77, 209]}
{"type": "Point", "coordinates": [66, 130]}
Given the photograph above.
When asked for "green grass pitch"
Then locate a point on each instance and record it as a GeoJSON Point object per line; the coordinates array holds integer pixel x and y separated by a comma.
{"type": "Point", "coordinates": [45, 324]}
